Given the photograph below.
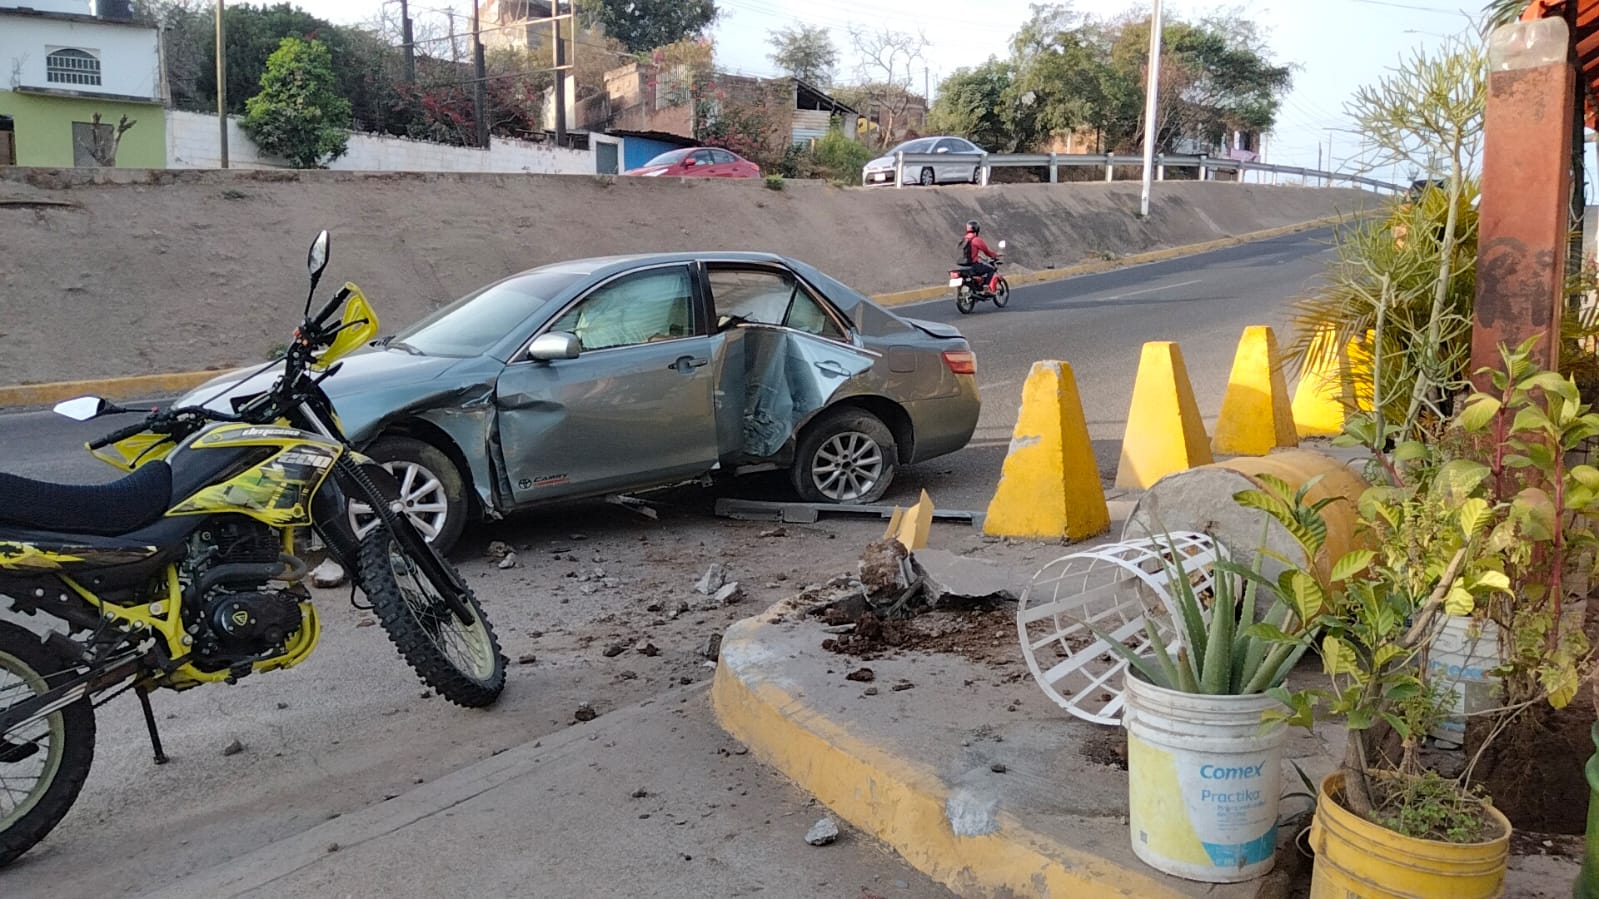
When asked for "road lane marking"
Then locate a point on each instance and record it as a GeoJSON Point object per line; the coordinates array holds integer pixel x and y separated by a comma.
{"type": "Point", "coordinates": [1123, 296]}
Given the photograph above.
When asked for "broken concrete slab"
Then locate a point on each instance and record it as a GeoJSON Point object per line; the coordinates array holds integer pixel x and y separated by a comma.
{"type": "Point", "coordinates": [712, 581]}
{"type": "Point", "coordinates": [955, 578]}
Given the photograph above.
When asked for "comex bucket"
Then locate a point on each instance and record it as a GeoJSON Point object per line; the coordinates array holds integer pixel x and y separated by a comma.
{"type": "Point", "coordinates": [1463, 652]}
{"type": "Point", "coordinates": [1204, 780]}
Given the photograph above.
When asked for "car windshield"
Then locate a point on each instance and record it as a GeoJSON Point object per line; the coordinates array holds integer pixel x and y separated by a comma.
{"type": "Point", "coordinates": [672, 158]}
{"type": "Point", "coordinates": [473, 324]}
{"type": "Point", "coordinates": [922, 145]}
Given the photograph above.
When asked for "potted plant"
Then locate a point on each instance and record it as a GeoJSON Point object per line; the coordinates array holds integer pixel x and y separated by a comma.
{"type": "Point", "coordinates": [1204, 774]}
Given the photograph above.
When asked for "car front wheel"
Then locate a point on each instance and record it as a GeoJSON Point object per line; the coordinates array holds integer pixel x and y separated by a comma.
{"type": "Point", "coordinates": [846, 456]}
{"type": "Point", "coordinates": [431, 487]}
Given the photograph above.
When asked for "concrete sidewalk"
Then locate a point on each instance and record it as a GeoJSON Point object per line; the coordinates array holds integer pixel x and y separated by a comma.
{"type": "Point", "coordinates": [560, 818]}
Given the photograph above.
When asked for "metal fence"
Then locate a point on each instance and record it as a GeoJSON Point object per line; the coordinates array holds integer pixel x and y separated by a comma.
{"type": "Point", "coordinates": [1109, 161]}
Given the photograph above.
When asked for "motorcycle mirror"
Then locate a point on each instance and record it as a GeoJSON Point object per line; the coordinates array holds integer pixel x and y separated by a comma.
{"type": "Point", "coordinates": [316, 261]}
{"type": "Point", "coordinates": [84, 408]}
{"type": "Point", "coordinates": [1002, 245]}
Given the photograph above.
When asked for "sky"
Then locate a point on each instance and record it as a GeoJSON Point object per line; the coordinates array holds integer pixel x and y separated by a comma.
{"type": "Point", "coordinates": [1334, 46]}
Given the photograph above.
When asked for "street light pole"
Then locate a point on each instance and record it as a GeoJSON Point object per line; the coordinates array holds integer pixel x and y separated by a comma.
{"type": "Point", "coordinates": [1151, 107]}
{"type": "Point", "coordinates": [222, 87]}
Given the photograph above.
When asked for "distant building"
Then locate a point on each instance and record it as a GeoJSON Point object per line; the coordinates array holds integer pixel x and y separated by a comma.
{"type": "Point", "coordinates": [68, 60]}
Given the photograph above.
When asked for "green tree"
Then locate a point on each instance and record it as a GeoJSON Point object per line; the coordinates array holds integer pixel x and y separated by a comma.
{"type": "Point", "coordinates": [806, 52]}
{"type": "Point", "coordinates": [976, 103]}
{"type": "Point", "coordinates": [298, 115]}
{"type": "Point", "coordinates": [643, 25]}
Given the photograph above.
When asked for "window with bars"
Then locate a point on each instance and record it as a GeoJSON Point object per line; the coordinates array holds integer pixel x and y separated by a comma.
{"type": "Point", "coordinates": [71, 66]}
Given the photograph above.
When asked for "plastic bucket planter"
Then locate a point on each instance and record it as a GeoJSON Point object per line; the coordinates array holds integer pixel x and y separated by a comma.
{"type": "Point", "coordinates": [1463, 652]}
{"type": "Point", "coordinates": [1204, 779]}
{"type": "Point", "coordinates": [1356, 858]}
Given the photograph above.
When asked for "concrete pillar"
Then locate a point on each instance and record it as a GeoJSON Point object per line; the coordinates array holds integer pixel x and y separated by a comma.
{"type": "Point", "coordinates": [1526, 192]}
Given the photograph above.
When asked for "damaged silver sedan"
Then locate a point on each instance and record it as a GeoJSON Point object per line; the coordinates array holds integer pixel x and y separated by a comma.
{"type": "Point", "coordinates": [603, 376]}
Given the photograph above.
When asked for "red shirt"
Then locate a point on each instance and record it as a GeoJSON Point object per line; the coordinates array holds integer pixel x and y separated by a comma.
{"type": "Point", "coordinates": [979, 248]}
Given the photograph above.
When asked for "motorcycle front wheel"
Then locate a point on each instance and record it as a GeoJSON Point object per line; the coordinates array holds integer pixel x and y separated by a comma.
{"type": "Point", "coordinates": [42, 764]}
{"type": "Point", "coordinates": [461, 661]}
{"type": "Point", "coordinates": [1002, 294]}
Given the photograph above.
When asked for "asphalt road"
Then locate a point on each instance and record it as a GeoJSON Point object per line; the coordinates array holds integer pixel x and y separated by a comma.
{"type": "Point", "coordinates": [1097, 323]}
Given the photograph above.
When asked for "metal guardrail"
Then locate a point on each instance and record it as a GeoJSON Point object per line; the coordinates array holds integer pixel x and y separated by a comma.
{"type": "Point", "coordinates": [1205, 164]}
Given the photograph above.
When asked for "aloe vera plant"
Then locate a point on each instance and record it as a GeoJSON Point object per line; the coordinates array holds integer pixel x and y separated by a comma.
{"type": "Point", "coordinates": [1225, 653]}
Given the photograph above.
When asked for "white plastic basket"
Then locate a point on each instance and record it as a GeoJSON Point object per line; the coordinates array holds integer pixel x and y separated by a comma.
{"type": "Point", "coordinates": [1115, 588]}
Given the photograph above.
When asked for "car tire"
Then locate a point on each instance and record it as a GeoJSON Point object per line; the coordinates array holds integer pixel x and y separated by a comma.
{"type": "Point", "coordinates": [846, 456]}
{"type": "Point", "coordinates": [927, 179]}
{"type": "Point", "coordinates": [977, 174]}
{"type": "Point", "coordinates": [429, 478]}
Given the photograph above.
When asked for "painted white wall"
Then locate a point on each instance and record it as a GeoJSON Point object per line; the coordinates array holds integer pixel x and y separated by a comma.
{"type": "Point", "coordinates": [130, 55]}
{"type": "Point", "coordinates": [76, 7]}
{"type": "Point", "coordinates": [192, 144]}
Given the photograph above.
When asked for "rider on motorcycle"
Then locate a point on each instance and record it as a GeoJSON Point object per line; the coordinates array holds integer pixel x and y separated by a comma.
{"type": "Point", "coordinates": [973, 250]}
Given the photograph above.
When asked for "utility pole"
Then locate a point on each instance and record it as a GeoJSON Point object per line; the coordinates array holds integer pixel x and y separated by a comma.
{"type": "Point", "coordinates": [455, 51]}
{"type": "Point", "coordinates": [408, 41]}
{"type": "Point", "coordinates": [479, 82]}
{"type": "Point", "coordinates": [560, 74]}
{"type": "Point", "coordinates": [222, 88]}
{"type": "Point", "coordinates": [1151, 107]}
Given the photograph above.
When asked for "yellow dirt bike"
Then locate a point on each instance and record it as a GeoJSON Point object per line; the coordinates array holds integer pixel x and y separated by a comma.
{"type": "Point", "coordinates": [186, 571]}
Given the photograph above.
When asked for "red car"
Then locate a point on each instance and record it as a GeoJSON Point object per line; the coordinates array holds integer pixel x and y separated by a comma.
{"type": "Point", "coordinates": [698, 162]}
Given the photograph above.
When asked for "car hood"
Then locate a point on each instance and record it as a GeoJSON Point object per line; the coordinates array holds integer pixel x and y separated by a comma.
{"type": "Point", "coordinates": [881, 162]}
{"type": "Point", "coordinates": [370, 371]}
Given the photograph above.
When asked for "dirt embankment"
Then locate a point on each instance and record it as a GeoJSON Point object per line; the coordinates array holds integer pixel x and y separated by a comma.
{"type": "Point", "coordinates": [132, 272]}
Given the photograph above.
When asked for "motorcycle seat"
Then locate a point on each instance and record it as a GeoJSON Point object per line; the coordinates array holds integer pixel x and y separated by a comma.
{"type": "Point", "coordinates": [105, 510]}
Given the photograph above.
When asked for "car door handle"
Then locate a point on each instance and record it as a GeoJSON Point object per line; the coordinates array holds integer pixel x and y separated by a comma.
{"type": "Point", "coordinates": [686, 364]}
{"type": "Point", "coordinates": [832, 367]}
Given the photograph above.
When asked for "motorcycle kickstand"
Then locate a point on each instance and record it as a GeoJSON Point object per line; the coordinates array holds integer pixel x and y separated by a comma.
{"type": "Point", "coordinates": [149, 722]}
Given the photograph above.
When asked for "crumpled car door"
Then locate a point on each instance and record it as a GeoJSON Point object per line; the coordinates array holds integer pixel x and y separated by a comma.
{"type": "Point", "coordinates": [774, 380]}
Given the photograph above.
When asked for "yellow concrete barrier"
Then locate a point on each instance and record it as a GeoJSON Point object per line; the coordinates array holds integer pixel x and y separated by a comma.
{"type": "Point", "coordinates": [1328, 391]}
{"type": "Point", "coordinates": [1256, 415]}
{"type": "Point", "coordinates": [1165, 433]}
{"type": "Point", "coordinates": [1049, 487]}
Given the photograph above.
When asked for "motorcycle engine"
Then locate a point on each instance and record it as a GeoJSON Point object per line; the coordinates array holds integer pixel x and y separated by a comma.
{"type": "Point", "coordinates": [238, 619]}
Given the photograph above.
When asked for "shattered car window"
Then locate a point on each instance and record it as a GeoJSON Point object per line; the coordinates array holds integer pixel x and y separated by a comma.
{"type": "Point", "coordinates": [473, 324]}
{"type": "Point", "coordinates": [767, 298]}
{"type": "Point", "coordinates": [750, 296]}
{"type": "Point", "coordinates": [649, 306]}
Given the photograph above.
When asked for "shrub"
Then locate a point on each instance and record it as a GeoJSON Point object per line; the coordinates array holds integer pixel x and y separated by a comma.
{"type": "Point", "coordinates": [298, 115]}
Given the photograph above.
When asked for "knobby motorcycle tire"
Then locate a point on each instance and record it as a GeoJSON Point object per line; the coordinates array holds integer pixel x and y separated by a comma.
{"type": "Point", "coordinates": [23, 649]}
{"type": "Point", "coordinates": [411, 637]}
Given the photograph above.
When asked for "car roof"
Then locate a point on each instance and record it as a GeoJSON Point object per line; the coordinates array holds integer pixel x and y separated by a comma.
{"type": "Point", "coordinates": [601, 266]}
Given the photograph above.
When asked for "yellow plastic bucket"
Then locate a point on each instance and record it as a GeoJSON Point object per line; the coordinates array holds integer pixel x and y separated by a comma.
{"type": "Point", "coordinates": [1356, 859]}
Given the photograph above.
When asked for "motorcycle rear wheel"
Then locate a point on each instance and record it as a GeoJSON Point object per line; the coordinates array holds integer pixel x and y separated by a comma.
{"type": "Point", "coordinates": [460, 661]}
{"type": "Point", "coordinates": [59, 747]}
{"type": "Point", "coordinates": [964, 301]}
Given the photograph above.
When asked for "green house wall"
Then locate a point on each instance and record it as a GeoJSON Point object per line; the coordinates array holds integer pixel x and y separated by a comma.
{"type": "Point", "coordinates": [43, 128]}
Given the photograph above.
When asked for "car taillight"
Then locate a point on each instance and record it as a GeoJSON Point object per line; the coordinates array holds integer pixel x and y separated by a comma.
{"type": "Point", "coordinates": [961, 362]}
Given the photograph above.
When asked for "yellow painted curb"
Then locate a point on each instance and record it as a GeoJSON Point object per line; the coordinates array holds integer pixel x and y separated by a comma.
{"type": "Point", "coordinates": [1049, 487]}
{"type": "Point", "coordinates": [1165, 433]}
{"type": "Point", "coordinates": [898, 800]}
{"type": "Point", "coordinates": [900, 298]}
{"type": "Point", "coordinates": [1256, 416]}
{"type": "Point", "coordinates": [137, 387]}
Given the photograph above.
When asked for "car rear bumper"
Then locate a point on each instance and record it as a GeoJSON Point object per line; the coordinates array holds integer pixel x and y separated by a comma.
{"type": "Point", "coordinates": [945, 424]}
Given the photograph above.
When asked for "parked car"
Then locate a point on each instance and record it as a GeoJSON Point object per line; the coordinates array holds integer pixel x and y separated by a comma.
{"type": "Point", "coordinates": [963, 165]}
{"type": "Point", "coordinates": [698, 162]}
{"type": "Point", "coordinates": [605, 376]}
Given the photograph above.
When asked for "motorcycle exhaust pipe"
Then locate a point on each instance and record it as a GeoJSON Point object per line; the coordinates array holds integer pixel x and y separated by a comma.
{"type": "Point", "coordinates": [287, 568]}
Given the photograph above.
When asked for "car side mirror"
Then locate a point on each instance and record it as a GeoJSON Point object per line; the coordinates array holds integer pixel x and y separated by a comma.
{"type": "Point", "coordinates": [84, 408]}
{"type": "Point", "coordinates": [691, 161]}
{"type": "Point", "coordinates": [941, 150]}
{"type": "Point", "coordinates": [554, 345]}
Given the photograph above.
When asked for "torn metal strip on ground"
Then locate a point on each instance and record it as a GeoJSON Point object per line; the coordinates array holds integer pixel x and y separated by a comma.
{"type": "Point", "coordinates": [808, 513]}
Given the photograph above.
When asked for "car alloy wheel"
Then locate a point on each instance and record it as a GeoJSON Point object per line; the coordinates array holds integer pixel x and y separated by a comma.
{"type": "Point", "coordinates": [430, 489]}
{"type": "Point", "coordinates": [846, 456]}
{"type": "Point", "coordinates": [927, 179]}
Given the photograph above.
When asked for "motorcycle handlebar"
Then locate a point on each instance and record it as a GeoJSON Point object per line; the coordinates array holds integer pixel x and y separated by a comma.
{"type": "Point", "coordinates": [118, 435]}
{"type": "Point", "coordinates": [333, 304]}
{"type": "Point", "coordinates": [168, 422]}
